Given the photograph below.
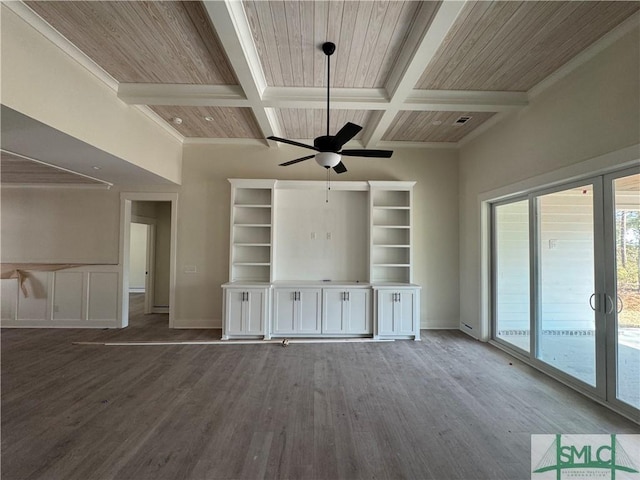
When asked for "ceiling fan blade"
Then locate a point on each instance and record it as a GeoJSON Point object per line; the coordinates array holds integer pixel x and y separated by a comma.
{"type": "Point", "coordinates": [345, 134]}
{"type": "Point", "coordinates": [367, 153]}
{"type": "Point", "coordinates": [291, 142]}
{"type": "Point", "coordinates": [340, 168]}
{"type": "Point", "coordinates": [297, 160]}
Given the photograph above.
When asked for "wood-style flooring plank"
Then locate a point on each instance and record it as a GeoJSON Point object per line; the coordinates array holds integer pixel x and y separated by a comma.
{"type": "Point", "coordinates": [447, 407]}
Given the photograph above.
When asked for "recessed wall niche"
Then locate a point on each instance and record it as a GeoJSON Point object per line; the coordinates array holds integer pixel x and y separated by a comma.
{"type": "Point", "coordinates": [319, 240]}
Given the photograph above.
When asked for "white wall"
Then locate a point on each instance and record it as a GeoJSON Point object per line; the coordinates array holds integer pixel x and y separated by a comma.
{"type": "Point", "coordinates": [59, 225]}
{"type": "Point", "coordinates": [138, 257]}
{"type": "Point", "coordinates": [203, 221]}
{"type": "Point", "coordinates": [42, 82]}
{"type": "Point", "coordinates": [591, 112]}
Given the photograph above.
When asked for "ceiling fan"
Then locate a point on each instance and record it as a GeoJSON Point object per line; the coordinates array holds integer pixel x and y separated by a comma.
{"type": "Point", "coordinates": [329, 147]}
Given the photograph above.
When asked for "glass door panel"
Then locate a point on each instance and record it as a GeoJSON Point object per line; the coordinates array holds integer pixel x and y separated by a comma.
{"type": "Point", "coordinates": [511, 273]}
{"type": "Point", "coordinates": [627, 286]}
{"type": "Point", "coordinates": [566, 328]}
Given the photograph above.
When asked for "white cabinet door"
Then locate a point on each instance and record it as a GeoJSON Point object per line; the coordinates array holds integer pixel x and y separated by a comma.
{"type": "Point", "coordinates": [398, 312]}
{"type": "Point", "coordinates": [386, 310]}
{"type": "Point", "coordinates": [358, 311]}
{"type": "Point", "coordinates": [404, 316]}
{"type": "Point", "coordinates": [309, 308]}
{"type": "Point", "coordinates": [245, 311]}
{"type": "Point", "coordinates": [297, 311]}
{"type": "Point", "coordinates": [233, 321]}
{"type": "Point", "coordinates": [333, 311]}
{"type": "Point", "coordinates": [284, 314]}
{"type": "Point", "coordinates": [253, 312]}
{"type": "Point", "coordinates": [346, 311]}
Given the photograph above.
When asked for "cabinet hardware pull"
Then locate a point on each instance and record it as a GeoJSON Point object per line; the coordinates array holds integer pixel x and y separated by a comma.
{"type": "Point", "coordinates": [348, 294]}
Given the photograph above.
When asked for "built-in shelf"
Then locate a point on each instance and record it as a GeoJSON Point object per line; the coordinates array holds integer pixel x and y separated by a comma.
{"type": "Point", "coordinates": [288, 246]}
{"type": "Point", "coordinates": [390, 248]}
{"type": "Point", "coordinates": [251, 236]}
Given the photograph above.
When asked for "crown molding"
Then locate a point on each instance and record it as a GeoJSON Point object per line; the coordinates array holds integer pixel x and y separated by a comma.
{"type": "Point", "coordinates": [226, 141]}
{"type": "Point", "coordinates": [36, 22]}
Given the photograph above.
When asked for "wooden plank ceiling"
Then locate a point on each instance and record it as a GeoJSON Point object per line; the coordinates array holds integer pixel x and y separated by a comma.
{"type": "Point", "coordinates": [512, 46]}
{"type": "Point", "coordinates": [18, 170]}
{"type": "Point", "coordinates": [380, 62]}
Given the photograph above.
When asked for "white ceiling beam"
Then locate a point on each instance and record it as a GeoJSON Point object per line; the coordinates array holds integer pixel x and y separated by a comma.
{"type": "Point", "coordinates": [316, 97]}
{"type": "Point", "coordinates": [411, 64]}
{"type": "Point", "coordinates": [312, 97]}
{"type": "Point", "coordinates": [230, 23]}
{"type": "Point", "coordinates": [463, 100]}
{"type": "Point", "coordinates": [181, 94]}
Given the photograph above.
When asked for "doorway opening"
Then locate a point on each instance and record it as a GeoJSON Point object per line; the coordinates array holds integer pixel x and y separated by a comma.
{"type": "Point", "coordinates": [147, 257]}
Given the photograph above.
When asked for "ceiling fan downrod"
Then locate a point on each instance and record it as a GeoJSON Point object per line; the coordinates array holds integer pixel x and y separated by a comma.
{"type": "Point", "coordinates": [328, 48]}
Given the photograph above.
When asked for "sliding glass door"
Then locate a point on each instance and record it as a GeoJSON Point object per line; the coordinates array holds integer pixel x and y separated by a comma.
{"type": "Point", "coordinates": [566, 283]}
{"type": "Point", "coordinates": [623, 289]}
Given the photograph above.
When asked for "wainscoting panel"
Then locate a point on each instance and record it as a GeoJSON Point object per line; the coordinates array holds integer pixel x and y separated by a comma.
{"type": "Point", "coordinates": [79, 297]}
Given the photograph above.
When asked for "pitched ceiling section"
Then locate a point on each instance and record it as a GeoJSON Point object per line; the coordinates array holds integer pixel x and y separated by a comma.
{"type": "Point", "coordinates": [488, 51]}
{"type": "Point", "coordinates": [211, 122]}
{"type": "Point", "coordinates": [512, 46]}
{"type": "Point", "coordinates": [143, 42]}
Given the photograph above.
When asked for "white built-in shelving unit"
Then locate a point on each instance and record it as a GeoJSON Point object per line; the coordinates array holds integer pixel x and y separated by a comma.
{"type": "Point", "coordinates": [391, 245]}
{"type": "Point", "coordinates": [299, 266]}
{"type": "Point", "coordinates": [251, 252]}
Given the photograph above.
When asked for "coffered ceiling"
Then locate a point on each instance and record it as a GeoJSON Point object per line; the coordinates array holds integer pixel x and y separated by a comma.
{"type": "Point", "coordinates": [404, 70]}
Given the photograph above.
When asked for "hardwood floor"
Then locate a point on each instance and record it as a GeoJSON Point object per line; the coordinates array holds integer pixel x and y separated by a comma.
{"type": "Point", "coordinates": [447, 407]}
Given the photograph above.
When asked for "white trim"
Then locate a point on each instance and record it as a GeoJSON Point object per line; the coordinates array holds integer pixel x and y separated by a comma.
{"type": "Point", "coordinates": [153, 116]}
{"type": "Point", "coordinates": [589, 53]}
{"type": "Point", "coordinates": [425, 145]}
{"type": "Point", "coordinates": [320, 185]}
{"type": "Point", "coordinates": [462, 100]}
{"type": "Point", "coordinates": [182, 94]}
{"type": "Point", "coordinates": [65, 186]}
{"type": "Point", "coordinates": [125, 222]}
{"type": "Point", "coordinates": [136, 289]}
{"type": "Point", "coordinates": [316, 97]}
{"type": "Point", "coordinates": [230, 22]}
{"type": "Point", "coordinates": [225, 141]}
{"type": "Point", "coordinates": [4, 323]}
{"type": "Point", "coordinates": [199, 323]}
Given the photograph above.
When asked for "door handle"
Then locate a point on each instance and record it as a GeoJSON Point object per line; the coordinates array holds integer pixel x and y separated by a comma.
{"type": "Point", "coordinates": [619, 302]}
{"type": "Point", "coordinates": [611, 304]}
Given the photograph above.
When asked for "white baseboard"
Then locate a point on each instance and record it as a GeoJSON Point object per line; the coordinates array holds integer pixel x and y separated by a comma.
{"type": "Point", "coordinates": [136, 289]}
{"type": "Point", "coordinates": [7, 323]}
{"type": "Point", "coordinates": [197, 323]}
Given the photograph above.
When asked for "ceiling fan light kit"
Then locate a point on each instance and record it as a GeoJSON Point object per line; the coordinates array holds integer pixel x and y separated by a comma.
{"type": "Point", "coordinates": [329, 147]}
{"type": "Point", "coordinates": [328, 159]}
